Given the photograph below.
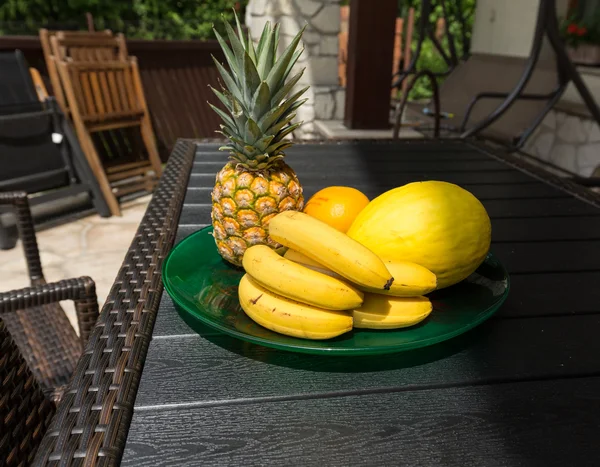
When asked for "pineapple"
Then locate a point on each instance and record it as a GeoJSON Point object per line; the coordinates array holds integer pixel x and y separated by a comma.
{"type": "Point", "coordinates": [256, 184]}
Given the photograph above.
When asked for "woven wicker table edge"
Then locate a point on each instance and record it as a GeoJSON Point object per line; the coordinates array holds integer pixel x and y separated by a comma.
{"type": "Point", "coordinates": [92, 419]}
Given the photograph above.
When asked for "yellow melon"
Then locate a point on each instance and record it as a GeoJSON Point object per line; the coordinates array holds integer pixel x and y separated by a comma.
{"type": "Point", "coordinates": [438, 225]}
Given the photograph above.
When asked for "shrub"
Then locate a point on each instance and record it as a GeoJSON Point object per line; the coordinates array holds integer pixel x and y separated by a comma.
{"type": "Point", "coordinates": [148, 19]}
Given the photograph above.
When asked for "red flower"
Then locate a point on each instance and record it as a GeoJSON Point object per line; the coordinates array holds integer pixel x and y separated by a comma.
{"type": "Point", "coordinates": [572, 28]}
{"type": "Point", "coordinates": [581, 31]}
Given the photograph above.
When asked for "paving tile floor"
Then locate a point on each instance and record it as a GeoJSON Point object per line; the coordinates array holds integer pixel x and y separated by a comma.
{"type": "Point", "coordinates": [92, 246]}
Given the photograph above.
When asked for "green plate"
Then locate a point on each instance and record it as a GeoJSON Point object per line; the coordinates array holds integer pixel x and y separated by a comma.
{"type": "Point", "coordinates": [204, 287]}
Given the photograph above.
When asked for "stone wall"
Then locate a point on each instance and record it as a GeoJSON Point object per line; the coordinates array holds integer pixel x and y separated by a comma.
{"type": "Point", "coordinates": [568, 141]}
{"type": "Point", "coordinates": [320, 57]}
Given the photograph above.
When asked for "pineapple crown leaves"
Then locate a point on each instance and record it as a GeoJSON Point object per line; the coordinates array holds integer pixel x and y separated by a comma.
{"type": "Point", "coordinates": [255, 92]}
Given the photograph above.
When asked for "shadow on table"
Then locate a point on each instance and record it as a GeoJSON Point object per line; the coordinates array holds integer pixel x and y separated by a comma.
{"type": "Point", "coordinates": [343, 364]}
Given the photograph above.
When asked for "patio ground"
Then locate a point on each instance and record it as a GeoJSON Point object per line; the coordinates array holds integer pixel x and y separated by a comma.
{"type": "Point", "coordinates": [92, 246]}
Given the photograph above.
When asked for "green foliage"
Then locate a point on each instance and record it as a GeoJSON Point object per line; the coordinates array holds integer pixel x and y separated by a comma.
{"type": "Point", "coordinates": [430, 58]}
{"type": "Point", "coordinates": [258, 108]}
{"type": "Point", "coordinates": [576, 30]}
{"type": "Point", "coordinates": [147, 19]}
{"type": "Point", "coordinates": [180, 19]}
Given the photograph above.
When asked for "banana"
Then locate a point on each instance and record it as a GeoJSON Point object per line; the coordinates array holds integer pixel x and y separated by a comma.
{"type": "Point", "coordinates": [298, 257]}
{"type": "Point", "coordinates": [410, 280]}
{"type": "Point", "coordinates": [330, 247]}
{"type": "Point", "coordinates": [292, 280]}
{"type": "Point", "coordinates": [305, 261]}
{"type": "Point", "coordinates": [289, 317]}
{"type": "Point", "coordinates": [382, 312]}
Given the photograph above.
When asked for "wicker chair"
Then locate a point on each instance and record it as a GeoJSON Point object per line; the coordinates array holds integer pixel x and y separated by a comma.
{"type": "Point", "coordinates": [26, 406]}
{"type": "Point", "coordinates": [25, 411]}
{"type": "Point", "coordinates": [34, 318]}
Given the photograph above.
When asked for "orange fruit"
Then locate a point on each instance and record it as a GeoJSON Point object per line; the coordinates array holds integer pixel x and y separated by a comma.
{"type": "Point", "coordinates": [337, 206]}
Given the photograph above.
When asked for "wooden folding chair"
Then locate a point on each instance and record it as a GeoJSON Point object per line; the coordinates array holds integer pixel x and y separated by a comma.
{"type": "Point", "coordinates": [103, 91]}
{"type": "Point", "coordinates": [45, 37]}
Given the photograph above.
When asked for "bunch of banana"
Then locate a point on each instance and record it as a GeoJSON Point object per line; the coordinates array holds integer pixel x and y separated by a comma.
{"type": "Point", "coordinates": [290, 317]}
{"type": "Point", "coordinates": [288, 298]}
{"type": "Point", "coordinates": [410, 279]}
{"type": "Point", "coordinates": [326, 283]}
{"type": "Point", "coordinates": [330, 247]}
{"type": "Point", "coordinates": [401, 306]}
{"type": "Point", "coordinates": [296, 282]}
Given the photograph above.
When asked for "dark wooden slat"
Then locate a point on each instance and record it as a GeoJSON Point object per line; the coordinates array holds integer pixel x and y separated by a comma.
{"type": "Point", "coordinates": [548, 207]}
{"type": "Point", "coordinates": [168, 323]}
{"type": "Point", "coordinates": [399, 148]}
{"type": "Point", "coordinates": [499, 350]}
{"type": "Point", "coordinates": [154, 98]}
{"type": "Point", "coordinates": [204, 76]}
{"type": "Point", "coordinates": [503, 230]}
{"type": "Point", "coordinates": [549, 294]}
{"type": "Point", "coordinates": [514, 209]}
{"type": "Point", "coordinates": [527, 257]}
{"type": "Point", "coordinates": [394, 166]}
{"type": "Point", "coordinates": [196, 214]}
{"type": "Point", "coordinates": [545, 423]}
{"type": "Point", "coordinates": [184, 231]}
{"type": "Point", "coordinates": [356, 177]}
{"type": "Point", "coordinates": [482, 191]}
{"type": "Point", "coordinates": [176, 93]}
{"type": "Point", "coordinates": [301, 154]}
{"type": "Point", "coordinates": [166, 119]}
{"type": "Point", "coordinates": [195, 98]}
{"type": "Point", "coordinates": [199, 194]}
{"type": "Point", "coordinates": [546, 228]}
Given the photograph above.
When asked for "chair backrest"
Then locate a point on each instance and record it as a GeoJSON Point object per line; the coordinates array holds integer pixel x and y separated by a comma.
{"type": "Point", "coordinates": [102, 91]}
{"type": "Point", "coordinates": [88, 48]}
{"type": "Point", "coordinates": [45, 39]}
{"type": "Point", "coordinates": [25, 412]}
{"type": "Point", "coordinates": [29, 159]}
{"type": "Point", "coordinates": [483, 73]}
{"type": "Point", "coordinates": [17, 91]}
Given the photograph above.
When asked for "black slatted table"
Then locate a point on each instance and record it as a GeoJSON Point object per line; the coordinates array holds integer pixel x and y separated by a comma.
{"type": "Point", "coordinates": [523, 389]}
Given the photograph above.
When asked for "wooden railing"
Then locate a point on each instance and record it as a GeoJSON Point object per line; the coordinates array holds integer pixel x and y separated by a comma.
{"type": "Point", "coordinates": [175, 76]}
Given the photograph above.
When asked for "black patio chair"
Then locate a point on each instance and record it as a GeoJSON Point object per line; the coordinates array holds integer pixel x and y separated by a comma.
{"type": "Point", "coordinates": [39, 153]}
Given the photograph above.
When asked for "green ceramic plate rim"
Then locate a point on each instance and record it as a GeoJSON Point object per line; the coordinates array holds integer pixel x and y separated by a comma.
{"type": "Point", "coordinates": [307, 349]}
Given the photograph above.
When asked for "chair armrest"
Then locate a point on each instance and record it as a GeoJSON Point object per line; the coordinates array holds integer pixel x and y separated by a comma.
{"type": "Point", "coordinates": [35, 114]}
{"type": "Point", "coordinates": [27, 233]}
{"type": "Point", "coordinates": [40, 87]}
{"type": "Point", "coordinates": [501, 95]}
{"type": "Point", "coordinates": [81, 290]}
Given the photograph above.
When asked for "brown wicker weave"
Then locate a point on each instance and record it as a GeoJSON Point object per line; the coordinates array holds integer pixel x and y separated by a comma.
{"type": "Point", "coordinates": [25, 411]}
{"type": "Point", "coordinates": [92, 420]}
{"type": "Point", "coordinates": [43, 332]}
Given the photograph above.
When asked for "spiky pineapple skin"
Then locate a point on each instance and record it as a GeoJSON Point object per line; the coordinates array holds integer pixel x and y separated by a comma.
{"type": "Point", "coordinates": [243, 203]}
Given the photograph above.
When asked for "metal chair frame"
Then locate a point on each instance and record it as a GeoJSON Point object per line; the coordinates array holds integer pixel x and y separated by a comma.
{"type": "Point", "coordinates": [546, 26]}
